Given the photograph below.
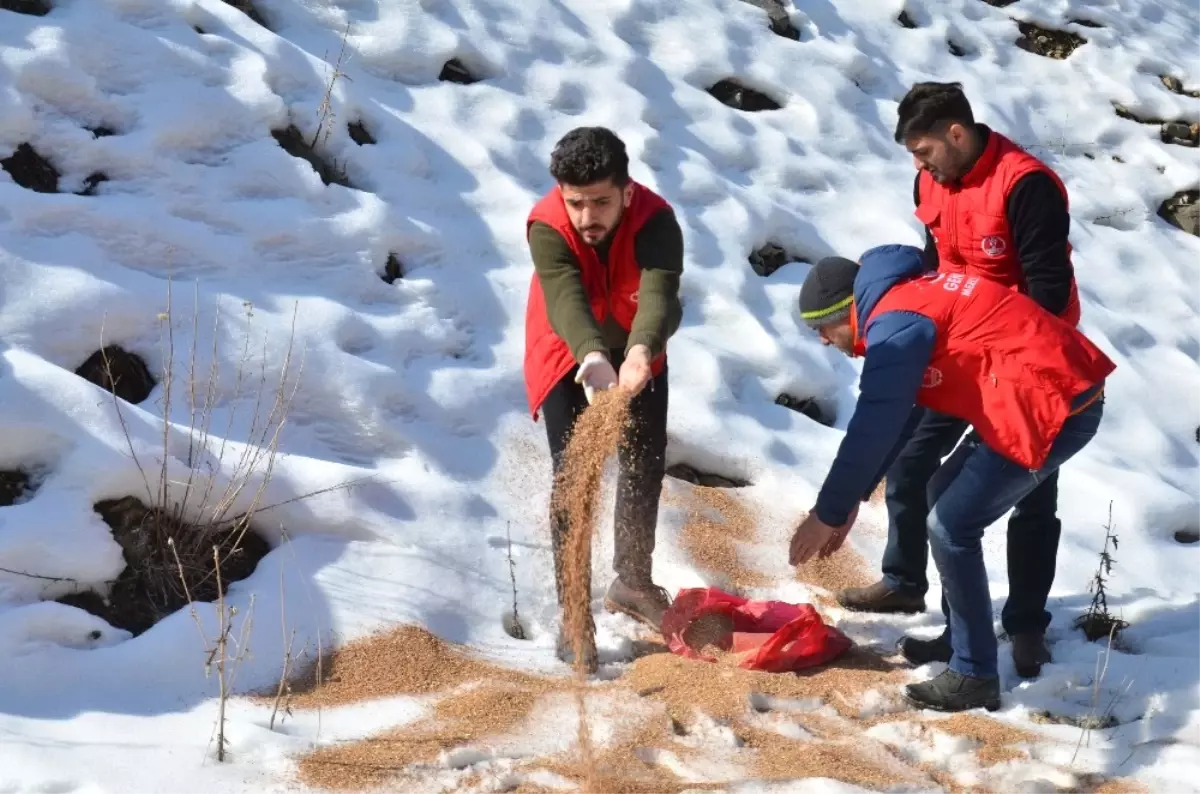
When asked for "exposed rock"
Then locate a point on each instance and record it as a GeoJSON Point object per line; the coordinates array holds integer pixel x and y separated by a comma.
{"type": "Point", "coordinates": [454, 71]}
{"type": "Point", "coordinates": [13, 485]}
{"type": "Point", "coordinates": [1126, 113]}
{"type": "Point", "coordinates": [392, 269]}
{"type": "Point", "coordinates": [101, 131]}
{"type": "Point", "coordinates": [92, 182]}
{"type": "Point", "coordinates": [1000, 3]}
{"type": "Point", "coordinates": [739, 97]}
{"type": "Point", "coordinates": [31, 171]}
{"type": "Point", "coordinates": [37, 8]}
{"type": "Point", "coordinates": [1175, 85]}
{"type": "Point", "coordinates": [120, 372]}
{"type": "Point", "coordinates": [682, 471]}
{"type": "Point", "coordinates": [905, 20]}
{"type": "Point", "coordinates": [156, 582]}
{"type": "Point", "coordinates": [294, 144]}
{"type": "Point", "coordinates": [1181, 133]}
{"type": "Point", "coordinates": [247, 8]}
{"type": "Point", "coordinates": [1087, 23]}
{"type": "Point", "coordinates": [807, 406]}
{"type": "Point", "coordinates": [1182, 211]}
{"type": "Point", "coordinates": [1057, 44]}
{"type": "Point", "coordinates": [770, 258]}
{"type": "Point", "coordinates": [781, 23]}
{"type": "Point", "coordinates": [1187, 536]}
{"type": "Point", "coordinates": [955, 49]}
{"type": "Point", "coordinates": [360, 134]}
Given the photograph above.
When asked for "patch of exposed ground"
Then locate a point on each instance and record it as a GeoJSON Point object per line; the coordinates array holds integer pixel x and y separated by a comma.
{"type": "Point", "coordinates": [1056, 44]}
{"type": "Point", "coordinates": [740, 97]}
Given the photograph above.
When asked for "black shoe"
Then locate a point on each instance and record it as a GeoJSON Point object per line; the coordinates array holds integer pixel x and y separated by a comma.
{"type": "Point", "coordinates": [1029, 653]}
{"type": "Point", "coordinates": [953, 691]}
{"type": "Point", "coordinates": [921, 652]}
{"type": "Point", "coordinates": [880, 598]}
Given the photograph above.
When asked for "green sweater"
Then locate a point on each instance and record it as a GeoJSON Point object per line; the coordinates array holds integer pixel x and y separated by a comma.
{"type": "Point", "coordinates": [658, 248]}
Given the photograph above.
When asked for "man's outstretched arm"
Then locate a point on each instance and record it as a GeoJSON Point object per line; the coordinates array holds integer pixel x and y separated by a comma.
{"type": "Point", "coordinates": [899, 346]}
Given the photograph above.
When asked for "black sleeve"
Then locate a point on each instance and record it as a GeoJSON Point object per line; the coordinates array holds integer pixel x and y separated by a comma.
{"type": "Point", "coordinates": [1040, 223]}
{"type": "Point", "coordinates": [930, 256]}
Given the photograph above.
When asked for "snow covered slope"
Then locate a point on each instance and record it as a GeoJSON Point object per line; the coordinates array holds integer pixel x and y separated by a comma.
{"type": "Point", "coordinates": [411, 389]}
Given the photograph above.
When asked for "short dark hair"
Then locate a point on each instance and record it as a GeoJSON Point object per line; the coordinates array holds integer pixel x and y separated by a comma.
{"type": "Point", "coordinates": [929, 108]}
{"type": "Point", "coordinates": [587, 155]}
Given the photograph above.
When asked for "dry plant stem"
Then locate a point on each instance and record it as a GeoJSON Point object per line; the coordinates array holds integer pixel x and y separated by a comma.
{"type": "Point", "coordinates": [325, 114]}
{"type": "Point", "coordinates": [285, 675]}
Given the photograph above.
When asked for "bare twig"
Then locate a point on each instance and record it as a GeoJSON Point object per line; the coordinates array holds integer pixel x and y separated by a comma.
{"type": "Point", "coordinates": [325, 112]}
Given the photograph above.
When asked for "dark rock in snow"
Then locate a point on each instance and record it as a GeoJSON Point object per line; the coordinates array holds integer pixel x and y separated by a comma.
{"type": "Point", "coordinates": [682, 471]}
{"type": "Point", "coordinates": [13, 485]}
{"type": "Point", "coordinates": [1175, 86]}
{"type": "Point", "coordinates": [294, 144]}
{"type": "Point", "coordinates": [36, 8]}
{"type": "Point", "coordinates": [248, 8]}
{"type": "Point", "coordinates": [771, 257]}
{"type": "Point", "coordinates": [740, 97]}
{"type": "Point", "coordinates": [149, 588]}
{"type": "Point", "coordinates": [392, 269]}
{"type": "Point", "coordinates": [905, 20]}
{"type": "Point", "coordinates": [360, 134]}
{"type": "Point", "coordinates": [1056, 44]}
{"type": "Point", "coordinates": [1188, 536]}
{"type": "Point", "coordinates": [31, 171]}
{"type": "Point", "coordinates": [781, 23]}
{"type": "Point", "coordinates": [454, 71]}
{"type": "Point", "coordinates": [1182, 211]}
{"type": "Point", "coordinates": [120, 372]}
{"type": "Point", "coordinates": [807, 406]}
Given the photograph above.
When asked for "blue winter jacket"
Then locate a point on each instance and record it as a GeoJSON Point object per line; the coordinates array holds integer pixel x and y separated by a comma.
{"type": "Point", "coordinates": [899, 347]}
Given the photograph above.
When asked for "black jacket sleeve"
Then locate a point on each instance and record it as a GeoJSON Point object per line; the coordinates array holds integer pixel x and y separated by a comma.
{"type": "Point", "coordinates": [1040, 223]}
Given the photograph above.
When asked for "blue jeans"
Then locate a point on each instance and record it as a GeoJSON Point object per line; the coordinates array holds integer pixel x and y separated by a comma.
{"type": "Point", "coordinates": [971, 490]}
{"type": "Point", "coordinates": [1033, 528]}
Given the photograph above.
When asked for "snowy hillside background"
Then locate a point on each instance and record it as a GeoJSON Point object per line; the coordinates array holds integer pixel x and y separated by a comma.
{"type": "Point", "coordinates": [399, 285]}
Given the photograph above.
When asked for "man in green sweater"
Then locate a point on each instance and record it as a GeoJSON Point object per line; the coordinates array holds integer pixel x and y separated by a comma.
{"type": "Point", "coordinates": [604, 299]}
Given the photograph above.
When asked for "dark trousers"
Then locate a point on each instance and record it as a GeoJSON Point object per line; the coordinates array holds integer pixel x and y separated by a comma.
{"type": "Point", "coordinates": [641, 465]}
{"type": "Point", "coordinates": [1033, 528]}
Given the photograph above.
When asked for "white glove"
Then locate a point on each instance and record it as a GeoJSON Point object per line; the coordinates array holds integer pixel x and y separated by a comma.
{"type": "Point", "coordinates": [596, 374]}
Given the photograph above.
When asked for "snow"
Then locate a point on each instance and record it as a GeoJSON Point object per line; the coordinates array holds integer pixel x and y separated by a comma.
{"type": "Point", "coordinates": [411, 392]}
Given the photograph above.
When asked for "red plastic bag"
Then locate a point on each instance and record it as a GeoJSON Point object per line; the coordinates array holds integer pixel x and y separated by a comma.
{"type": "Point", "coordinates": [773, 636]}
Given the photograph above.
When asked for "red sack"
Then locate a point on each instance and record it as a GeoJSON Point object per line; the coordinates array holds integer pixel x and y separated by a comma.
{"type": "Point", "coordinates": [773, 636]}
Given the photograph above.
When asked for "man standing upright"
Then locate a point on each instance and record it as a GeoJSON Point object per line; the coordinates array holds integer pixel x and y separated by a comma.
{"type": "Point", "coordinates": [991, 210]}
{"type": "Point", "coordinates": [603, 301]}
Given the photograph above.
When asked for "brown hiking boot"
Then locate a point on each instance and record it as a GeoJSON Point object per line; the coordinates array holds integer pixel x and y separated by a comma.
{"type": "Point", "coordinates": [1030, 652]}
{"type": "Point", "coordinates": [645, 604]}
{"type": "Point", "coordinates": [879, 598]}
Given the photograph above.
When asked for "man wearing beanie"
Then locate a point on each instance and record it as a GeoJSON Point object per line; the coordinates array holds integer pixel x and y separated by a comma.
{"type": "Point", "coordinates": [993, 210]}
{"type": "Point", "coordinates": [943, 341]}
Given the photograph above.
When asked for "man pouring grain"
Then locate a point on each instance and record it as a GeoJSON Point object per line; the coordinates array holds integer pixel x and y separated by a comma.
{"type": "Point", "coordinates": [603, 301]}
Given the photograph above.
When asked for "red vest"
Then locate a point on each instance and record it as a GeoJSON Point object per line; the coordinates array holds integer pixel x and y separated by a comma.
{"type": "Point", "coordinates": [1000, 361]}
{"type": "Point", "coordinates": [969, 220]}
{"type": "Point", "coordinates": [611, 289]}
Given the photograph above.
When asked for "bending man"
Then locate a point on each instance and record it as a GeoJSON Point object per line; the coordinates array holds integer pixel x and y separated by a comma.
{"type": "Point", "coordinates": [1030, 384]}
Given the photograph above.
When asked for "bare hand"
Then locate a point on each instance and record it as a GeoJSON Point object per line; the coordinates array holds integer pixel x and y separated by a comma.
{"type": "Point", "coordinates": [815, 537]}
{"type": "Point", "coordinates": [635, 371]}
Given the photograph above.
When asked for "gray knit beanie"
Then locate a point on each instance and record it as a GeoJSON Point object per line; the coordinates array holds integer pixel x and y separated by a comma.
{"type": "Point", "coordinates": [827, 294]}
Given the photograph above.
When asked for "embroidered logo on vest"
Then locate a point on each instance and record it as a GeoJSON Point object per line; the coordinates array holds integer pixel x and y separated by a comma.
{"type": "Point", "coordinates": [994, 246]}
{"type": "Point", "coordinates": [933, 378]}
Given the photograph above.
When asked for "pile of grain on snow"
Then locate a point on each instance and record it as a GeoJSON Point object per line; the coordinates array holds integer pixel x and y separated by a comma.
{"type": "Point", "coordinates": [717, 521]}
{"type": "Point", "coordinates": [477, 700]}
